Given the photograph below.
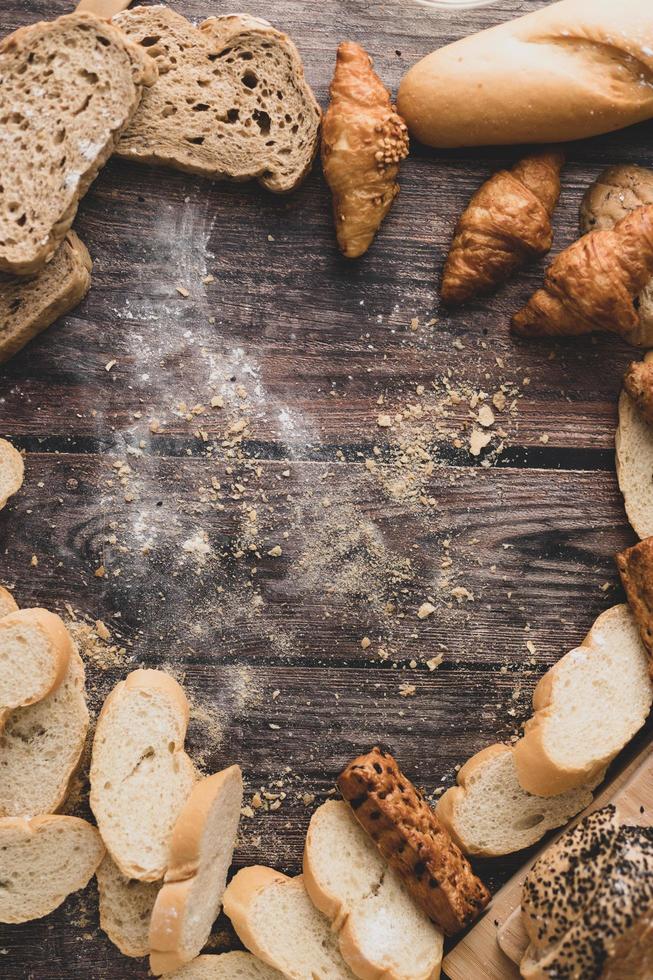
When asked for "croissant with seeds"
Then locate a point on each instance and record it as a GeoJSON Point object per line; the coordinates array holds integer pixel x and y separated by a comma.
{"type": "Point", "coordinates": [363, 144]}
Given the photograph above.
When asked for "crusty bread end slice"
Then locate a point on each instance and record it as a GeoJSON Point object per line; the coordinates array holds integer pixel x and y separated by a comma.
{"type": "Point", "coordinates": [125, 908]}
{"type": "Point", "coordinates": [12, 468]}
{"type": "Point", "coordinates": [141, 776]}
{"type": "Point", "coordinates": [200, 852]}
{"type": "Point", "coordinates": [7, 602]}
{"type": "Point", "coordinates": [226, 966]}
{"type": "Point", "coordinates": [634, 462]}
{"type": "Point", "coordinates": [587, 707]}
{"type": "Point", "coordinates": [35, 649]}
{"type": "Point", "coordinates": [42, 861]}
{"type": "Point", "coordinates": [29, 306]}
{"type": "Point", "coordinates": [488, 814]}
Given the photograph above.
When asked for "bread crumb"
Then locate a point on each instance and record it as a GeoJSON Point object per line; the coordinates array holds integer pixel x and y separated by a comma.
{"type": "Point", "coordinates": [434, 662]}
{"type": "Point", "coordinates": [486, 416]}
{"type": "Point", "coordinates": [109, 365]}
{"type": "Point", "coordinates": [407, 690]}
{"type": "Point", "coordinates": [275, 552]}
{"type": "Point", "coordinates": [384, 421]}
{"type": "Point", "coordinates": [366, 642]}
{"type": "Point", "coordinates": [182, 291]}
{"type": "Point", "coordinates": [478, 441]}
{"type": "Point", "coordinates": [425, 610]}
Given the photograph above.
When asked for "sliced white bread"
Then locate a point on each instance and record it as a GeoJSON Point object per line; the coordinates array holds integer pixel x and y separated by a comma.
{"type": "Point", "coordinates": [12, 467]}
{"type": "Point", "coordinates": [276, 921]}
{"type": "Point", "coordinates": [29, 306]}
{"type": "Point", "coordinates": [7, 602]}
{"type": "Point", "coordinates": [41, 745]}
{"type": "Point", "coordinates": [200, 853]}
{"type": "Point", "coordinates": [587, 707]}
{"type": "Point", "coordinates": [488, 814]}
{"type": "Point", "coordinates": [634, 461]}
{"type": "Point", "coordinates": [381, 932]}
{"type": "Point", "coordinates": [141, 776]}
{"type": "Point", "coordinates": [69, 87]}
{"type": "Point", "coordinates": [42, 861]}
{"type": "Point", "coordinates": [125, 908]}
{"type": "Point", "coordinates": [226, 966]}
{"type": "Point", "coordinates": [231, 101]}
{"type": "Point", "coordinates": [35, 649]}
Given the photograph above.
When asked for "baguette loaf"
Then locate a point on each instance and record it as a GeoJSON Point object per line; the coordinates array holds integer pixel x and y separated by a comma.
{"type": "Point", "coordinates": [12, 471]}
{"type": "Point", "coordinates": [69, 87]}
{"type": "Point", "coordinates": [35, 649]}
{"type": "Point", "coordinates": [570, 70]}
{"type": "Point", "coordinates": [125, 908]}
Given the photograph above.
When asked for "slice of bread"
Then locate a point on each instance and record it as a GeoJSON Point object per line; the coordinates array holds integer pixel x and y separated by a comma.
{"type": "Point", "coordinates": [69, 87]}
{"type": "Point", "coordinates": [636, 570]}
{"type": "Point", "coordinates": [7, 602]}
{"type": "Point", "coordinates": [12, 471]}
{"type": "Point", "coordinates": [141, 776]}
{"type": "Point", "coordinates": [42, 861]}
{"type": "Point", "coordinates": [488, 814]}
{"type": "Point", "coordinates": [35, 649]}
{"type": "Point", "coordinates": [226, 966]}
{"type": "Point", "coordinates": [29, 306]}
{"type": "Point", "coordinates": [231, 101]}
{"type": "Point", "coordinates": [41, 745]}
{"type": "Point", "coordinates": [277, 922]}
{"type": "Point", "coordinates": [381, 932]}
{"type": "Point", "coordinates": [587, 707]}
{"type": "Point", "coordinates": [199, 856]}
{"type": "Point", "coordinates": [125, 908]}
{"type": "Point", "coordinates": [634, 461]}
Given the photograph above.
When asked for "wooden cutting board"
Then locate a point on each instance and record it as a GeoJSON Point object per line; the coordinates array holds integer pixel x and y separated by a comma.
{"type": "Point", "coordinates": [494, 947]}
{"type": "Point", "coordinates": [103, 8]}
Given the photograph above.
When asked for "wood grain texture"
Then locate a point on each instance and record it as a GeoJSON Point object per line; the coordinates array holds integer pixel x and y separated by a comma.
{"type": "Point", "coordinates": [301, 345]}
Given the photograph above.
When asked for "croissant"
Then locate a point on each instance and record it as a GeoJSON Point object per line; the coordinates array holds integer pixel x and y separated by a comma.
{"type": "Point", "coordinates": [593, 285]}
{"type": "Point", "coordinates": [363, 143]}
{"type": "Point", "coordinates": [506, 224]}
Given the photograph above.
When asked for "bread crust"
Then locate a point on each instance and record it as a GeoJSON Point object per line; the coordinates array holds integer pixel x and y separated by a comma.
{"type": "Point", "coordinates": [242, 890]}
{"type": "Point", "coordinates": [447, 806]}
{"type": "Point", "coordinates": [568, 71]}
{"type": "Point", "coordinates": [7, 602]}
{"type": "Point", "coordinates": [62, 648]}
{"type": "Point", "coordinates": [12, 460]}
{"type": "Point", "coordinates": [636, 570]}
{"type": "Point", "coordinates": [412, 840]}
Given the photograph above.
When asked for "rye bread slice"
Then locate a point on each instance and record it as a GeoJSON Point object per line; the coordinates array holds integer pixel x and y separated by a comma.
{"type": "Point", "coordinates": [29, 306]}
{"type": "Point", "coordinates": [68, 88]}
{"type": "Point", "coordinates": [231, 101]}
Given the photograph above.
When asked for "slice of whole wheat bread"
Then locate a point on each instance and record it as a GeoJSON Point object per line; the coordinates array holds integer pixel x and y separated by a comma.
{"type": "Point", "coordinates": [199, 855]}
{"type": "Point", "coordinates": [12, 471]}
{"type": "Point", "coordinates": [35, 649]}
{"type": "Point", "coordinates": [226, 966]}
{"type": "Point", "coordinates": [29, 306]}
{"type": "Point", "coordinates": [141, 776]}
{"type": "Point", "coordinates": [231, 101]}
{"type": "Point", "coordinates": [42, 861]}
{"type": "Point", "coordinates": [68, 88]}
{"type": "Point", "coordinates": [125, 908]}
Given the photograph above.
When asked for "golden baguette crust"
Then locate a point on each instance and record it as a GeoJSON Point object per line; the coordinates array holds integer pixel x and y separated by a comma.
{"type": "Point", "coordinates": [61, 647]}
{"type": "Point", "coordinates": [413, 841]}
{"type": "Point", "coordinates": [570, 70]}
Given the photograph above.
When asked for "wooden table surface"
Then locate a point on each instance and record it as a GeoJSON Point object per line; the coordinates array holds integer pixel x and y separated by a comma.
{"type": "Point", "coordinates": [514, 548]}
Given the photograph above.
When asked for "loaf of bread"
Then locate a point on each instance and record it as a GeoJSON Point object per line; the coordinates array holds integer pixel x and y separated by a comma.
{"type": "Point", "coordinates": [567, 71]}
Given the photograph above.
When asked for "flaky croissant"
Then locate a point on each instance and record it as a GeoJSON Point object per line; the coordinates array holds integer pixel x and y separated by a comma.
{"type": "Point", "coordinates": [363, 143]}
{"type": "Point", "coordinates": [593, 285]}
{"type": "Point", "coordinates": [506, 224]}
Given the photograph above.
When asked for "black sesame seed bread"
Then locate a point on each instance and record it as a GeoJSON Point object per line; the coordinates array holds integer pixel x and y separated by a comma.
{"type": "Point", "coordinates": [231, 101]}
{"type": "Point", "coordinates": [413, 841]}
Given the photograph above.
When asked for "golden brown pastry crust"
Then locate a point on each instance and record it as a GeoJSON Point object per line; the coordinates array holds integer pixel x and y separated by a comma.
{"type": "Point", "coordinates": [506, 224]}
{"type": "Point", "coordinates": [413, 841]}
{"type": "Point", "coordinates": [638, 382]}
{"type": "Point", "coordinates": [592, 285]}
{"type": "Point", "coordinates": [636, 570]}
{"type": "Point", "coordinates": [363, 143]}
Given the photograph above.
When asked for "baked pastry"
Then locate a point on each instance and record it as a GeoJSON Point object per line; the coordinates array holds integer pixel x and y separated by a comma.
{"type": "Point", "coordinates": [593, 285]}
{"type": "Point", "coordinates": [363, 144]}
{"type": "Point", "coordinates": [413, 841]}
{"type": "Point", "coordinates": [636, 570]}
{"type": "Point", "coordinates": [638, 383]}
{"type": "Point", "coordinates": [506, 224]}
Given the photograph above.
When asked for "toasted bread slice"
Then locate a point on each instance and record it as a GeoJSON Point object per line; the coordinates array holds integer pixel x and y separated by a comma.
{"type": "Point", "coordinates": [488, 814]}
{"type": "Point", "coordinates": [381, 932]}
{"type": "Point", "coordinates": [42, 861]}
{"type": "Point", "coordinates": [231, 101]}
{"type": "Point", "coordinates": [29, 306]}
{"type": "Point", "coordinates": [41, 745]}
{"type": "Point", "coordinates": [277, 922]}
{"type": "Point", "coordinates": [69, 87]}
{"type": "Point", "coordinates": [35, 649]}
{"type": "Point", "coordinates": [587, 707]}
{"type": "Point", "coordinates": [634, 461]}
{"type": "Point", "coordinates": [226, 966]}
{"type": "Point", "coordinates": [7, 602]}
{"type": "Point", "coordinates": [141, 776]}
{"type": "Point", "coordinates": [12, 471]}
{"type": "Point", "coordinates": [200, 852]}
{"type": "Point", "coordinates": [125, 908]}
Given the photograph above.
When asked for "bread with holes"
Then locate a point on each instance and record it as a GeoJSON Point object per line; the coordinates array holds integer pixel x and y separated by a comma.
{"type": "Point", "coordinates": [41, 746]}
{"type": "Point", "coordinates": [634, 462]}
{"type": "Point", "coordinates": [141, 776]}
{"type": "Point", "coordinates": [35, 649]}
{"type": "Point", "coordinates": [276, 921]}
{"type": "Point", "coordinates": [488, 814]}
{"type": "Point", "coordinates": [125, 908]}
{"type": "Point", "coordinates": [43, 860]}
{"type": "Point", "coordinates": [226, 966]}
{"type": "Point", "coordinates": [586, 708]}
{"type": "Point", "coordinates": [231, 101]}
{"type": "Point", "coordinates": [12, 471]}
{"type": "Point", "coordinates": [30, 306]}
{"type": "Point", "coordinates": [380, 929]}
{"type": "Point", "coordinates": [199, 855]}
{"type": "Point", "coordinates": [69, 87]}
